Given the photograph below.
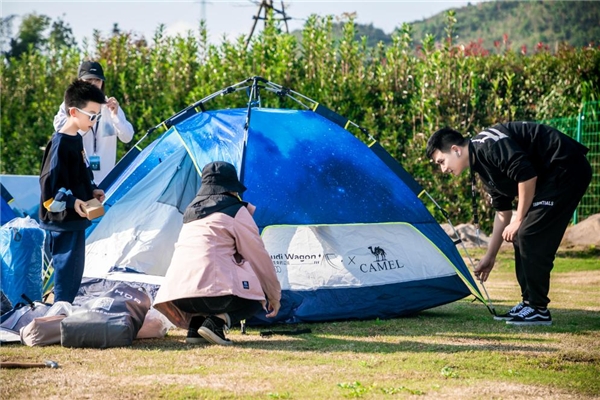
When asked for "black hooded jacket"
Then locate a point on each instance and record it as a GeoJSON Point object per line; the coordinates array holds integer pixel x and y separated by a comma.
{"type": "Point", "coordinates": [506, 154]}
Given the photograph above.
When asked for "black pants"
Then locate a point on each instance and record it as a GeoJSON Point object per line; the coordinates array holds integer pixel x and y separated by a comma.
{"type": "Point", "coordinates": [237, 308]}
{"type": "Point", "coordinates": [543, 227]}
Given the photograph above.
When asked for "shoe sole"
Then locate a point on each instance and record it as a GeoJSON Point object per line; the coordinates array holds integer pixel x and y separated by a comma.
{"type": "Point", "coordinates": [213, 338]}
{"type": "Point", "coordinates": [199, 340]}
{"type": "Point", "coordinates": [529, 323]}
{"type": "Point", "coordinates": [501, 318]}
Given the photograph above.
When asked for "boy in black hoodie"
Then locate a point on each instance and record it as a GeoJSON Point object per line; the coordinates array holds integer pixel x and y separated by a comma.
{"type": "Point", "coordinates": [66, 183]}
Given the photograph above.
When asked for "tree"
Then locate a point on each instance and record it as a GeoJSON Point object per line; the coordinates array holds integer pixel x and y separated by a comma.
{"type": "Point", "coordinates": [32, 34]}
{"type": "Point", "coordinates": [61, 34]}
{"type": "Point", "coordinates": [5, 31]}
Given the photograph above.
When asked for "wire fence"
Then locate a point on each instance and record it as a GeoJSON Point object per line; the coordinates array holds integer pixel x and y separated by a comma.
{"type": "Point", "coordinates": [585, 128]}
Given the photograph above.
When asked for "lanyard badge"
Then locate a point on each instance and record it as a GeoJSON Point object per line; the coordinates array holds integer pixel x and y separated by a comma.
{"type": "Point", "coordinates": [95, 162]}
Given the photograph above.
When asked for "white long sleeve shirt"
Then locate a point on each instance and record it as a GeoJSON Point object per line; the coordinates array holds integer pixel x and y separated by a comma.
{"type": "Point", "coordinates": [101, 140]}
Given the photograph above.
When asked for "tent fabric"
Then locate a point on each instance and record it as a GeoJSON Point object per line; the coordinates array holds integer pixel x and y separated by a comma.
{"type": "Point", "coordinates": [22, 195]}
{"type": "Point", "coordinates": [6, 212]}
{"type": "Point", "coordinates": [307, 176]}
{"type": "Point", "coordinates": [140, 232]}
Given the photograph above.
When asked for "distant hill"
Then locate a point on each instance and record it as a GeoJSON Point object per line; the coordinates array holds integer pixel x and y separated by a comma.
{"type": "Point", "coordinates": [374, 35]}
{"type": "Point", "coordinates": [524, 22]}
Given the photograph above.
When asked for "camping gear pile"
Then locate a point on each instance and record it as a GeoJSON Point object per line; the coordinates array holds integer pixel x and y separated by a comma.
{"type": "Point", "coordinates": [98, 319]}
{"type": "Point", "coordinates": [112, 319]}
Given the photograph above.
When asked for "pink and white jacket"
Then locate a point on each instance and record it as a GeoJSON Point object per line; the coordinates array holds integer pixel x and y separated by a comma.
{"type": "Point", "coordinates": [207, 263]}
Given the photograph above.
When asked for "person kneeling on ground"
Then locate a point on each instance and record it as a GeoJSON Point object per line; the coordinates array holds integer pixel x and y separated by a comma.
{"type": "Point", "coordinates": [220, 271]}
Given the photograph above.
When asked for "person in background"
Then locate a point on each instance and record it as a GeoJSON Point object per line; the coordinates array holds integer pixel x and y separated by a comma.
{"type": "Point", "coordinates": [100, 141]}
{"type": "Point", "coordinates": [548, 172]}
{"type": "Point", "coordinates": [220, 273]}
{"type": "Point", "coordinates": [66, 184]}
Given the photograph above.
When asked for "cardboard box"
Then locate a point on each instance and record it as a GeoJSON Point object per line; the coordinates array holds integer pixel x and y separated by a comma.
{"type": "Point", "coordinates": [94, 209]}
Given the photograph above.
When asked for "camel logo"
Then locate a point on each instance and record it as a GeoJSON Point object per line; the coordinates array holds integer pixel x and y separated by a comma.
{"type": "Point", "coordinates": [381, 262]}
{"type": "Point", "coordinates": [378, 252]}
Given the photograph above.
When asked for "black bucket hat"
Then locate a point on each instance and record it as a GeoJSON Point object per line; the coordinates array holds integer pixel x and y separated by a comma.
{"type": "Point", "coordinates": [91, 70]}
{"type": "Point", "coordinates": [219, 177]}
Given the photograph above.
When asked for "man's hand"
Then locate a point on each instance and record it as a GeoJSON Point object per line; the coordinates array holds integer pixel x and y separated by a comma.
{"type": "Point", "coordinates": [98, 195]}
{"type": "Point", "coordinates": [80, 208]}
{"type": "Point", "coordinates": [485, 266]}
{"type": "Point", "coordinates": [510, 232]}
{"type": "Point", "coordinates": [526, 193]}
{"type": "Point", "coordinates": [274, 306]}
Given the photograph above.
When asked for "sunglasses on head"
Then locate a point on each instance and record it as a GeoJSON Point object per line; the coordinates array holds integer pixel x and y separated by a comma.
{"type": "Point", "coordinates": [93, 117]}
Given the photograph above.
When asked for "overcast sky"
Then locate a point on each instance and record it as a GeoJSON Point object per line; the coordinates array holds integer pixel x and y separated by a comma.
{"type": "Point", "coordinates": [232, 18]}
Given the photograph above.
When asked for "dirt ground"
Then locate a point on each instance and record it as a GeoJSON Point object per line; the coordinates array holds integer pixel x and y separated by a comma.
{"type": "Point", "coordinates": [586, 233]}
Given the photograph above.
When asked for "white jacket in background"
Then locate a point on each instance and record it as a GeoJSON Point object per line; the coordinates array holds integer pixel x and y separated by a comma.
{"type": "Point", "coordinates": [107, 130]}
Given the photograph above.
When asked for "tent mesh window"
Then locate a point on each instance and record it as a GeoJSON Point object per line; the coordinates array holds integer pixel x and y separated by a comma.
{"type": "Point", "coordinates": [183, 186]}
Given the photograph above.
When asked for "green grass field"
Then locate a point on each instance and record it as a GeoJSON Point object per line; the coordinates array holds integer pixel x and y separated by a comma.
{"type": "Point", "coordinates": [456, 351]}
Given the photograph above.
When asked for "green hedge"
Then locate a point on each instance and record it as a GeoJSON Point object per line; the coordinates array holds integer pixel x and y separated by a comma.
{"type": "Point", "coordinates": [400, 93]}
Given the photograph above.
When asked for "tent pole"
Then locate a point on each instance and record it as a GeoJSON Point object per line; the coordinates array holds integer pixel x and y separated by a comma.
{"type": "Point", "coordinates": [459, 240]}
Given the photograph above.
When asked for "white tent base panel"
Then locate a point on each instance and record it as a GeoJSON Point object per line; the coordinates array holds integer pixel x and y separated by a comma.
{"type": "Point", "coordinates": [359, 271]}
{"type": "Point", "coordinates": [353, 256]}
{"type": "Point", "coordinates": [340, 272]}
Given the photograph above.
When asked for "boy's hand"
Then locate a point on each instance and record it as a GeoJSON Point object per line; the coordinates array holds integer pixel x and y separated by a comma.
{"type": "Point", "coordinates": [98, 195]}
{"type": "Point", "coordinates": [80, 208]}
{"type": "Point", "coordinates": [113, 105]}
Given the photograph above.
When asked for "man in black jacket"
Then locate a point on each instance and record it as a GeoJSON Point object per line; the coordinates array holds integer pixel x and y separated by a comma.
{"type": "Point", "coordinates": [549, 174]}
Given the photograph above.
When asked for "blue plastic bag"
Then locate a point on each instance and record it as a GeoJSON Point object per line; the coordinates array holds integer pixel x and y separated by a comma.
{"type": "Point", "coordinates": [21, 247]}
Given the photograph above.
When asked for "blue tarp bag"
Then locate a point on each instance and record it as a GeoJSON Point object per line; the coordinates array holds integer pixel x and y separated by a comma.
{"type": "Point", "coordinates": [21, 249]}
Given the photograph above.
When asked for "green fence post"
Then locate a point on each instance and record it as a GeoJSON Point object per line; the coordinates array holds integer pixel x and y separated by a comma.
{"type": "Point", "coordinates": [578, 138]}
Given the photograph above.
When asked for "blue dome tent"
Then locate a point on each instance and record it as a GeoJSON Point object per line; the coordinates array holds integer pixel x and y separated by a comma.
{"type": "Point", "coordinates": [343, 222]}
